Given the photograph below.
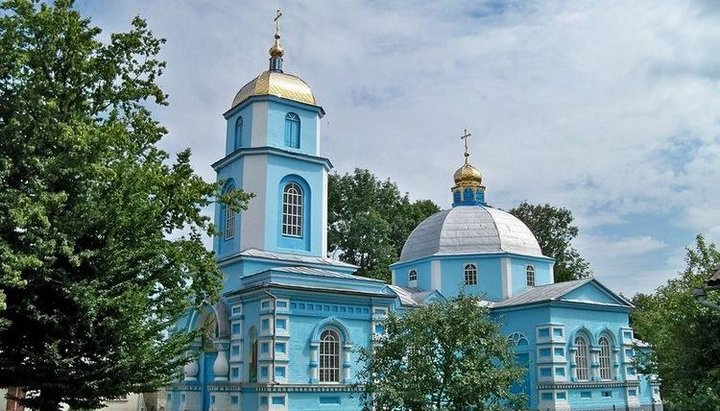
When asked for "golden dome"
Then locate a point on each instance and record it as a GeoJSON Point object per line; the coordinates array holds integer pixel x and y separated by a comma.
{"type": "Point", "coordinates": [276, 83]}
{"type": "Point", "coordinates": [468, 176]}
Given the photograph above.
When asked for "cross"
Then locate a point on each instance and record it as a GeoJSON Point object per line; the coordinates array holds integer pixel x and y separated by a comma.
{"type": "Point", "coordinates": [277, 21]}
{"type": "Point", "coordinates": [465, 137]}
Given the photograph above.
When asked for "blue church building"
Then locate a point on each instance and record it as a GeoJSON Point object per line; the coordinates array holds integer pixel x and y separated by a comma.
{"type": "Point", "coordinates": [285, 333]}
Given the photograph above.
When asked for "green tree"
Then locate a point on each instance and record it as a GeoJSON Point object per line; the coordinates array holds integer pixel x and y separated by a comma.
{"type": "Point", "coordinates": [447, 355]}
{"type": "Point", "coordinates": [684, 336]}
{"type": "Point", "coordinates": [100, 233]}
{"type": "Point", "coordinates": [369, 221]}
{"type": "Point", "coordinates": [552, 226]}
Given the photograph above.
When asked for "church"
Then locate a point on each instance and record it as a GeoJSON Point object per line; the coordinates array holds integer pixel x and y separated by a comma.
{"type": "Point", "coordinates": [285, 333]}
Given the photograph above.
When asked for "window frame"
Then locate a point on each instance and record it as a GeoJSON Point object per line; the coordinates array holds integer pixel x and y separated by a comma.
{"type": "Point", "coordinates": [582, 358]}
{"type": "Point", "coordinates": [470, 272]}
{"type": "Point", "coordinates": [605, 358]}
{"type": "Point", "coordinates": [530, 275]}
{"type": "Point", "coordinates": [292, 130]}
{"type": "Point", "coordinates": [412, 275]}
{"type": "Point", "coordinates": [329, 367]}
{"type": "Point", "coordinates": [293, 210]}
{"type": "Point", "coordinates": [228, 218]}
{"type": "Point", "coordinates": [239, 124]}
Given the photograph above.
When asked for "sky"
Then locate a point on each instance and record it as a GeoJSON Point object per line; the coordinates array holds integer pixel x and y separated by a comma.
{"type": "Point", "coordinates": [610, 109]}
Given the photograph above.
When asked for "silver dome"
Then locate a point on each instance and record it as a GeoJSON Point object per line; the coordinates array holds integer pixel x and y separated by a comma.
{"type": "Point", "coordinates": [470, 230]}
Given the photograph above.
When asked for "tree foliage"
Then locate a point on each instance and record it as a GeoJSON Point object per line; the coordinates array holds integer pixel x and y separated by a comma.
{"type": "Point", "coordinates": [447, 355]}
{"type": "Point", "coordinates": [552, 226]}
{"type": "Point", "coordinates": [369, 221]}
{"type": "Point", "coordinates": [684, 335]}
{"type": "Point", "coordinates": [100, 234]}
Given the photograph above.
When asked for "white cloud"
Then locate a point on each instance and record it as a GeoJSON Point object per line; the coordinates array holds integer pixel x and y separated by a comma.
{"type": "Point", "coordinates": [584, 105]}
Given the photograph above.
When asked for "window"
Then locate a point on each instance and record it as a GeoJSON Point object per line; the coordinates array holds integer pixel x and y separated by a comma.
{"type": "Point", "coordinates": [605, 363]}
{"type": "Point", "coordinates": [253, 354]}
{"type": "Point", "coordinates": [581, 358]}
{"type": "Point", "coordinates": [292, 210]}
{"type": "Point", "coordinates": [280, 372]}
{"type": "Point", "coordinates": [470, 274]}
{"type": "Point", "coordinates": [292, 130]}
{"type": "Point", "coordinates": [278, 400]}
{"type": "Point", "coordinates": [530, 274]}
{"type": "Point", "coordinates": [412, 275]}
{"type": "Point", "coordinates": [280, 347]}
{"type": "Point", "coordinates": [329, 356]}
{"type": "Point", "coordinates": [238, 132]}
{"type": "Point", "coordinates": [265, 324]}
{"type": "Point", "coordinates": [264, 347]}
{"type": "Point", "coordinates": [281, 323]}
{"type": "Point", "coordinates": [519, 339]}
{"type": "Point", "coordinates": [229, 219]}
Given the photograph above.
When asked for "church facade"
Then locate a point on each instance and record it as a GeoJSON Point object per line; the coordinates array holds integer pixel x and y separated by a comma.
{"type": "Point", "coordinates": [285, 333]}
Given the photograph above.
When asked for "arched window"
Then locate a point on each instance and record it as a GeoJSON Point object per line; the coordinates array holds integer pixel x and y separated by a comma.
{"type": "Point", "coordinates": [470, 274]}
{"type": "Point", "coordinates": [412, 275]}
{"type": "Point", "coordinates": [518, 339]}
{"type": "Point", "coordinates": [292, 210]}
{"type": "Point", "coordinates": [229, 219]}
{"type": "Point", "coordinates": [238, 132]}
{"type": "Point", "coordinates": [292, 130]}
{"type": "Point", "coordinates": [329, 356]}
{"type": "Point", "coordinates": [605, 358]}
{"type": "Point", "coordinates": [581, 358]}
{"type": "Point", "coordinates": [530, 273]}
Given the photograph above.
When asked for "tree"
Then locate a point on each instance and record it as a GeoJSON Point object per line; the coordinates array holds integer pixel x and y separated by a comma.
{"type": "Point", "coordinates": [684, 336]}
{"type": "Point", "coordinates": [100, 234]}
{"type": "Point", "coordinates": [552, 226]}
{"type": "Point", "coordinates": [445, 356]}
{"type": "Point", "coordinates": [369, 221]}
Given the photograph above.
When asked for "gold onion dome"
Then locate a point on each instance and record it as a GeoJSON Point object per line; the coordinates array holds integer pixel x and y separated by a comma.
{"type": "Point", "coordinates": [276, 50]}
{"type": "Point", "coordinates": [468, 176]}
{"type": "Point", "coordinates": [279, 84]}
{"type": "Point", "coordinates": [274, 82]}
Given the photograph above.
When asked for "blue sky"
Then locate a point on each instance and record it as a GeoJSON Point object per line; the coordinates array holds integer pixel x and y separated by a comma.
{"type": "Point", "coordinates": [607, 108]}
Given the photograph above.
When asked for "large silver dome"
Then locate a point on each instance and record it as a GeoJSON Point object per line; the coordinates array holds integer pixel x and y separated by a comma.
{"type": "Point", "coordinates": [470, 230]}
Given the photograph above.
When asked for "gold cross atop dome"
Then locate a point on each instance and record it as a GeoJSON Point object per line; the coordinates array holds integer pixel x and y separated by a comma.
{"type": "Point", "coordinates": [277, 22]}
{"type": "Point", "coordinates": [465, 137]}
{"type": "Point", "coordinates": [276, 51]}
{"type": "Point", "coordinates": [467, 175]}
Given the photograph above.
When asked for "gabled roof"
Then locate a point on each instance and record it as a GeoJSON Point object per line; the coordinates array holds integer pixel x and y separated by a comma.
{"type": "Point", "coordinates": [306, 259]}
{"type": "Point", "coordinates": [412, 297]}
{"type": "Point", "coordinates": [556, 292]}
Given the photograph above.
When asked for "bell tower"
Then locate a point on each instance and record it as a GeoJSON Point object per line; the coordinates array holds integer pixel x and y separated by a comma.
{"type": "Point", "coordinates": [272, 150]}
